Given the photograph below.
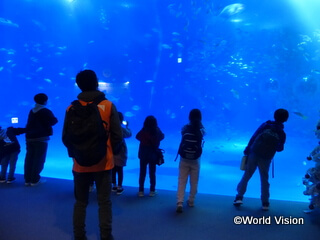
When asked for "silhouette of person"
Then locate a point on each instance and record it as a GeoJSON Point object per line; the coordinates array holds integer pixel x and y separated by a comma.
{"type": "Point", "coordinates": [100, 173]}
{"type": "Point", "coordinates": [190, 168]}
{"type": "Point", "coordinates": [149, 136]}
{"type": "Point", "coordinates": [38, 132]}
{"type": "Point", "coordinates": [9, 151]}
{"type": "Point", "coordinates": [120, 160]}
{"type": "Point", "coordinates": [262, 161]}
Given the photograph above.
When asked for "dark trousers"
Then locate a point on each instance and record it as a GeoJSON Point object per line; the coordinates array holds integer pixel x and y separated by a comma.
{"type": "Point", "coordinates": [34, 161]}
{"type": "Point", "coordinates": [143, 172]}
{"type": "Point", "coordinates": [117, 170]}
{"type": "Point", "coordinates": [82, 182]}
{"type": "Point", "coordinates": [9, 159]}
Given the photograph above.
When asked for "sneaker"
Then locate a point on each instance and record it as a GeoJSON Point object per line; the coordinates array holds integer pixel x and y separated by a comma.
{"type": "Point", "coordinates": [179, 207]}
{"type": "Point", "coordinates": [11, 180]}
{"type": "Point", "coordinates": [114, 189]}
{"type": "Point", "coordinates": [152, 193]}
{"type": "Point", "coordinates": [140, 194]}
{"type": "Point", "coordinates": [265, 206]}
{"type": "Point", "coordinates": [238, 201]}
{"type": "Point", "coordinates": [2, 180]}
{"type": "Point", "coordinates": [190, 203]}
{"type": "Point", "coordinates": [37, 183]}
{"type": "Point", "coordinates": [120, 190]}
{"type": "Point", "coordinates": [27, 184]}
{"type": "Point", "coordinates": [308, 211]}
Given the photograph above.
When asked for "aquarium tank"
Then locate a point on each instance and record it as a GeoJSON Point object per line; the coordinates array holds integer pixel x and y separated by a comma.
{"type": "Point", "coordinates": [236, 61]}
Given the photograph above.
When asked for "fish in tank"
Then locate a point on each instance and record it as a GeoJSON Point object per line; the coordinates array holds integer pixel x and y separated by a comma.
{"type": "Point", "coordinates": [236, 61]}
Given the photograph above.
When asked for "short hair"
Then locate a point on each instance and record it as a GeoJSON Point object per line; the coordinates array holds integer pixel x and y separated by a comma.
{"type": "Point", "coordinates": [87, 80]}
{"type": "Point", "coordinates": [40, 98]}
{"type": "Point", "coordinates": [281, 115]}
{"type": "Point", "coordinates": [195, 115]}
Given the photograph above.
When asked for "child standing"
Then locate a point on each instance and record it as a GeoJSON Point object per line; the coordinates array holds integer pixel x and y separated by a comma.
{"type": "Point", "coordinates": [268, 139]}
{"type": "Point", "coordinates": [149, 136]}
{"type": "Point", "coordinates": [190, 151]}
{"type": "Point", "coordinates": [9, 151]}
{"type": "Point", "coordinates": [120, 160]}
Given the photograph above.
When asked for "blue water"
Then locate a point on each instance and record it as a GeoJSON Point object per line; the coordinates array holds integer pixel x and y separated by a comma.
{"type": "Point", "coordinates": [237, 63]}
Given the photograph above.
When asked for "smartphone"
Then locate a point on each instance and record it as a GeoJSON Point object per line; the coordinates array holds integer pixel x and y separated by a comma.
{"type": "Point", "coordinates": [14, 120]}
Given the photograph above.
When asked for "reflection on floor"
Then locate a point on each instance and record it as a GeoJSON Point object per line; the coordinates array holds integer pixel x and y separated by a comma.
{"type": "Point", "coordinates": [219, 174]}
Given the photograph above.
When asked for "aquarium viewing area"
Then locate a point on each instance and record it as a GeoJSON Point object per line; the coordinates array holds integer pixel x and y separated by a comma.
{"type": "Point", "coordinates": [236, 61]}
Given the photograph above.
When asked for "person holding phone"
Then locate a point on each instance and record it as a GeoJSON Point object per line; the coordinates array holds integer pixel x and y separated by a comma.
{"type": "Point", "coordinates": [120, 159]}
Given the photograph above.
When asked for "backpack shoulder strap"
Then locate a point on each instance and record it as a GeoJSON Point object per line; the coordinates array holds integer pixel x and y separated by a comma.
{"type": "Point", "coordinates": [96, 101]}
{"type": "Point", "coordinates": [75, 103]}
{"type": "Point", "coordinates": [178, 151]}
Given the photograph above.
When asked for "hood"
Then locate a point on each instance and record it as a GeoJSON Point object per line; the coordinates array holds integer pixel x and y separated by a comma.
{"type": "Point", "coordinates": [89, 96]}
{"type": "Point", "coordinates": [274, 124]}
{"type": "Point", "coordinates": [38, 107]}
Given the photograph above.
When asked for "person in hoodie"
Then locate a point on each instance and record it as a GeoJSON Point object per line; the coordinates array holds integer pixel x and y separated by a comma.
{"type": "Point", "coordinates": [38, 132]}
{"type": "Point", "coordinates": [262, 161]}
{"type": "Point", "coordinates": [100, 173]}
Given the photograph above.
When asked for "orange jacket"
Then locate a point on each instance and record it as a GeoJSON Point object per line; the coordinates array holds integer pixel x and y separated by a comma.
{"type": "Point", "coordinates": [107, 162]}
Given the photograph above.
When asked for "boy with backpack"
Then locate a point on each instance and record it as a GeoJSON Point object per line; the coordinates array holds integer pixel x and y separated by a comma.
{"type": "Point", "coordinates": [190, 151]}
{"type": "Point", "coordinates": [92, 133]}
{"type": "Point", "coordinates": [268, 139]}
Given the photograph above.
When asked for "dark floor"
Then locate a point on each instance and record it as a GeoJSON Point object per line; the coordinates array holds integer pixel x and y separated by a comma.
{"type": "Point", "coordinates": [44, 212]}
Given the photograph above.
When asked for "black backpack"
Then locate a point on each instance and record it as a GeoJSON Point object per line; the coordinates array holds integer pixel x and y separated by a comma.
{"type": "Point", "coordinates": [191, 143]}
{"type": "Point", "coordinates": [265, 144]}
{"type": "Point", "coordinates": [85, 134]}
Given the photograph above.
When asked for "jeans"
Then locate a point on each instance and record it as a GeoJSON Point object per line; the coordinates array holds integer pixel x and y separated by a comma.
{"type": "Point", "coordinates": [5, 161]}
{"type": "Point", "coordinates": [263, 165]}
{"type": "Point", "coordinates": [188, 169]}
{"type": "Point", "coordinates": [143, 173]}
{"type": "Point", "coordinates": [117, 170]}
{"type": "Point", "coordinates": [34, 161]}
{"type": "Point", "coordinates": [82, 182]}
